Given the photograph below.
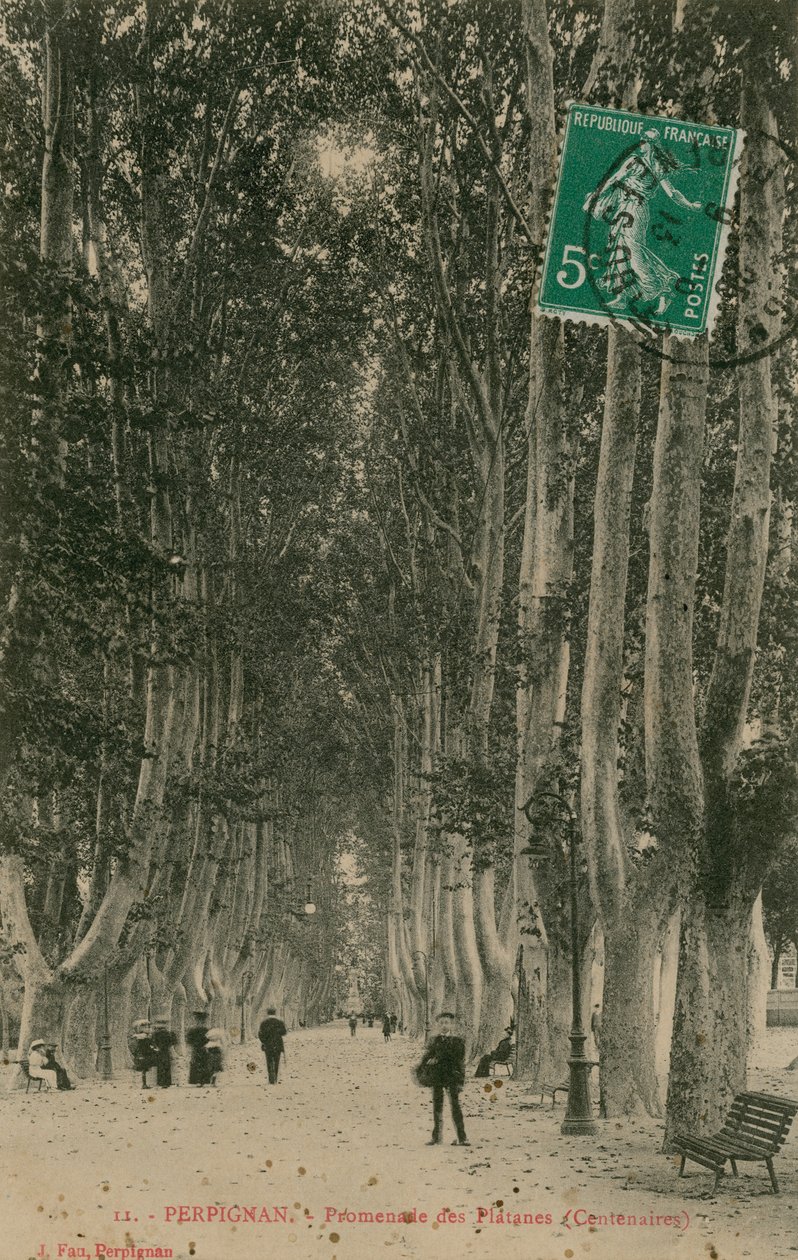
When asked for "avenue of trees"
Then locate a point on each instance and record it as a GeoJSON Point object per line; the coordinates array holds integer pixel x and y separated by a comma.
{"type": "Point", "coordinates": [317, 540]}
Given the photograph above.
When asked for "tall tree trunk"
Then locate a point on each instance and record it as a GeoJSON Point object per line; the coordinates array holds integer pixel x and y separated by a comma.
{"type": "Point", "coordinates": [546, 567]}
{"type": "Point", "coordinates": [709, 1057]}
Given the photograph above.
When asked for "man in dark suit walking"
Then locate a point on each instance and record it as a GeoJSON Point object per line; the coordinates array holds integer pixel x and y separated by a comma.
{"type": "Point", "coordinates": [162, 1041]}
{"type": "Point", "coordinates": [270, 1036]}
{"type": "Point", "coordinates": [443, 1064]}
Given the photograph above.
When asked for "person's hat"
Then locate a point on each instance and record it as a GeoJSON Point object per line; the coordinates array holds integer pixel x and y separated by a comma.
{"type": "Point", "coordinates": [35, 1044]}
{"type": "Point", "coordinates": [200, 1015]}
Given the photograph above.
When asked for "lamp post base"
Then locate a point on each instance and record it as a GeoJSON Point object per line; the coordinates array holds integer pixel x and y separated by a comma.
{"type": "Point", "coordinates": [579, 1113]}
{"type": "Point", "coordinates": [104, 1063]}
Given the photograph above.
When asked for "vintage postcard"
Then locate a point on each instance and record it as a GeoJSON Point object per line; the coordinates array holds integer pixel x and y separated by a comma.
{"type": "Point", "coordinates": [398, 709]}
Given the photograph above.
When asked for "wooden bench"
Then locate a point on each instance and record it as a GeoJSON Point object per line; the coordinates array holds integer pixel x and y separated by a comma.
{"type": "Point", "coordinates": [561, 1086]}
{"type": "Point", "coordinates": [501, 1067]}
{"type": "Point", "coordinates": [755, 1129]}
{"type": "Point", "coordinates": [30, 1080]}
{"type": "Point", "coordinates": [554, 1090]}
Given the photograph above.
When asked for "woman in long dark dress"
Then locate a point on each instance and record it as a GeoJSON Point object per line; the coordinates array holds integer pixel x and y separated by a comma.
{"type": "Point", "coordinates": [196, 1038]}
{"type": "Point", "coordinates": [52, 1065]}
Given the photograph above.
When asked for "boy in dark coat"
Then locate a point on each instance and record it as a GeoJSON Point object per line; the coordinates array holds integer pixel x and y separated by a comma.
{"type": "Point", "coordinates": [444, 1059]}
{"type": "Point", "coordinates": [270, 1036]}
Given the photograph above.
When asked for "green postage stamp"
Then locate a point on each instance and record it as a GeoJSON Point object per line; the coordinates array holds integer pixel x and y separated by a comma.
{"type": "Point", "coordinates": [640, 219]}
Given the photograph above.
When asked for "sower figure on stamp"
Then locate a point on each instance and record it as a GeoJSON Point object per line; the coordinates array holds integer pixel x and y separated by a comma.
{"type": "Point", "coordinates": [634, 271]}
{"type": "Point", "coordinates": [270, 1036]}
{"type": "Point", "coordinates": [443, 1067]}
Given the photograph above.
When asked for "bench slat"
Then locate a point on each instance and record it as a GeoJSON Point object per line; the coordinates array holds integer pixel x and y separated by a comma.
{"type": "Point", "coordinates": [754, 1134]}
{"type": "Point", "coordinates": [745, 1150]}
{"type": "Point", "coordinates": [765, 1123]}
{"type": "Point", "coordinates": [758, 1104]}
{"type": "Point", "coordinates": [698, 1158]}
{"type": "Point", "coordinates": [783, 1104]}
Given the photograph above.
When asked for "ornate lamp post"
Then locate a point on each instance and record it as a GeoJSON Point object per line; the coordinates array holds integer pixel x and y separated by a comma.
{"type": "Point", "coordinates": [579, 1113]}
{"type": "Point", "coordinates": [147, 956]}
{"type": "Point", "coordinates": [104, 1059]}
{"type": "Point", "coordinates": [246, 980]}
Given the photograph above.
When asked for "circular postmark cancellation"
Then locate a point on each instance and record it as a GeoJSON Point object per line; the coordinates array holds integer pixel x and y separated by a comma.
{"type": "Point", "coordinates": [639, 225]}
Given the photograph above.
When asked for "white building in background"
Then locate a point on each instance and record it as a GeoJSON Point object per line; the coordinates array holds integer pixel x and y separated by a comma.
{"type": "Point", "coordinates": [782, 1002]}
{"type": "Point", "coordinates": [788, 965]}
{"type": "Point", "coordinates": [354, 1002]}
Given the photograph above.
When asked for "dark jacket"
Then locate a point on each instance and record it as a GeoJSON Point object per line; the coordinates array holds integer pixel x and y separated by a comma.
{"type": "Point", "coordinates": [446, 1057]}
{"type": "Point", "coordinates": [162, 1041]}
{"type": "Point", "coordinates": [142, 1052]}
{"type": "Point", "coordinates": [198, 1065]}
{"type": "Point", "coordinates": [271, 1033]}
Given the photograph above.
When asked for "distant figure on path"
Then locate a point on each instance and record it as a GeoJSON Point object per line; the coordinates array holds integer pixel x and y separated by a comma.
{"type": "Point", "coordinates": [386, 1027]}
{"type": "Point", "coordinates": [595, 1025]}
{"type": "Point", "coordinates": [141, 1049]}
{"type": "Point", "coordinates": [162, 1041]}
{"type": "Point", "coordinates": [37, 1065]}
{"type": "Point", "coordinates": [443, 1067]}
{"type": "Point", "coordinates": [214, 1057]}
{"type": "Point", "coordinates": [394, 1022]}
{"type": "Point", "coordinates": [352, 1025]}
{"type": "Point", "coordinates": [270, 1036]}
{"type": "Point", "coordinates": [196, 1039]}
